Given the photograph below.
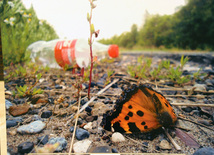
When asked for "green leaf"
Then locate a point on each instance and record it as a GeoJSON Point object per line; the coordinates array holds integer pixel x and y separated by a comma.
{"type": "Point", "coordinates": [88, 16]}
{"type": "Point", "coordinates": [92, 28]}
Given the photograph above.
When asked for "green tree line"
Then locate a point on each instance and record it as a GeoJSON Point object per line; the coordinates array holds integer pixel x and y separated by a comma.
{"type": "Point", "coordinates": [192, 27]}
{"type": "Point", "coordinates": [19, 28]}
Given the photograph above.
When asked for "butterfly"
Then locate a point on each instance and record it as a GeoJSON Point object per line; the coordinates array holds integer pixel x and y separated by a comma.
{"type": "Point", "coordinates": [139, 109]}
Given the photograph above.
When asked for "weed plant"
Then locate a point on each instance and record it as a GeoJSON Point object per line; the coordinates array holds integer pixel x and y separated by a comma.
{"type": "Point", "coordinates": [164, 70]}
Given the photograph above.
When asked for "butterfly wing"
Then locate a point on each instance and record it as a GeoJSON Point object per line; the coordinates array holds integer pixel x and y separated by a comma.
{"type": "Point", "coordinates": [142, 110]}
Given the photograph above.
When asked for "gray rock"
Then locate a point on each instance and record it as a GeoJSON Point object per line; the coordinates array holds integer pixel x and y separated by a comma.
{"type": "Point", "coordinates": [204, 151]}
{"type": "Point", "coordinates": [81, 134]}
{"type": "Point", "coordinates": [25, 147]}
{"type": "Point", "coordinates": [33, 127]}
{"type": "Point", "coordinates": [8, 104]}
{"type": "Point", "coordinates": [11, 123]}
{"type": "Point", "coordinates": [62, 143]}
{"type": "Point", "coordinates": [100, 149]}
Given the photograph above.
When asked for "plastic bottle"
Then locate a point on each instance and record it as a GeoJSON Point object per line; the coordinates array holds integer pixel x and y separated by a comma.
{"type": "Point", "coordinates": [58, 52]}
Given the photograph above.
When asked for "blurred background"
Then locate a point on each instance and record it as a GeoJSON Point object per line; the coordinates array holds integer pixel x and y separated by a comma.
{"type": "Point", "coordinates": [167, 25]}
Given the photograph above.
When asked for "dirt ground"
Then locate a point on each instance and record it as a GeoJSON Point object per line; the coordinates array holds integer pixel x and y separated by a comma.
{"type": "Point", "coordinates": [60, 122]}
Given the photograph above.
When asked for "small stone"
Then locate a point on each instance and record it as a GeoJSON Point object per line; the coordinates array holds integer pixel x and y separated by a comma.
{"type": "Point", "coordinates": [58, 87]}
{"type": "Point", "coordinates": [8, 104]}
{"type": "Point", "coordinates": [62, 143]}
{"type": "Point", "coordinates": [204, 151]}
{"type": "Point", "coordinates": [81, 146]}
{"type": "Point", "coordinates": [11, 123]}
{"type": "Point", "coordinates": [8, 93]}
{"type": "Point", "coordinates": [88, 109]}
{"type": "Point", "coordinates": [25, 147]}
{"type": "Point", "coordinates": [88, 126]}
{"type": "Point", "coordinates": [46, 114]}
{"type": "Point", "coordinates": [81, 134]}
{"type": "Point", "coordinates": [99, 109]}
{"type": "Point", "coordinates": [13, 132]}
{"type": "Point", "coordinates": [200, 87]}
{"type": "Point", "coordinates": [71, 129]}
{"type": "Point", "coordinates": [117, 137]}
{"type": "Point", "coordinates": [34, 127]}
{"type": "Point", "coordinates": [66, 105]}
{"type": "Point", "coordinates": [42, 140]}
{"type": "Point", "coordinates": [58, 81]}
{"type": "Point", "coordinates": [164, 144]}
{"type": "Point", "coordinates": [114, 150]}
{"type": "Point", "coordinates": [19, 110]}
{"type": "Point", "coordinates": [100, 149]}
{"type": "Point", "coordinates": [187, 109]}
{"type": "Point", "coordinates": [89, 118]}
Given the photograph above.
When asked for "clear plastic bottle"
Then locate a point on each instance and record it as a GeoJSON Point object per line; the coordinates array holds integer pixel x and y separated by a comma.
{"type": "Point", "coordinates": [58, 52]}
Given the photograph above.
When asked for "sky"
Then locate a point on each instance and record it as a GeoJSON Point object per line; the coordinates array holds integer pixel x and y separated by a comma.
{"type": "Point", "coordinates": [111, 17]}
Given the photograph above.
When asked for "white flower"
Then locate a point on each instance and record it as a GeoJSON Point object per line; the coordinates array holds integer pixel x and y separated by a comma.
{"type": "Point", "coordinates": [6, 20]}
{"type": "Point", "coordinates": [20, 11]}
{"type": "Point", "coordinates": [11, 23]}
{"type": "Point", "coordinates": [28, 20]}
{"type": "Point", "coordinates": [12, 19]}
{"type": "Point", "coordinates": [40, 22]}
{"type": "Point", "coordinates": [10, 4]}
{"type": "Point", "coordinates": [25, 15]}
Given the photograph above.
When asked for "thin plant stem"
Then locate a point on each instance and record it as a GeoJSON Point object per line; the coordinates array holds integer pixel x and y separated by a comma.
{"type": "Point", "coordinates": [91, 54]}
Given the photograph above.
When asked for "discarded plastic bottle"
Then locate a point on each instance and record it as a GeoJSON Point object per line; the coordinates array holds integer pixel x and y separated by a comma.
{"type": "Point", "coordinates": [57, 53]}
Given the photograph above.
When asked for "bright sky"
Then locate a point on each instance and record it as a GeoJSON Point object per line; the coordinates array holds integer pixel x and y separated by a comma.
{"type": "Point", "coordinates": [68, 17]}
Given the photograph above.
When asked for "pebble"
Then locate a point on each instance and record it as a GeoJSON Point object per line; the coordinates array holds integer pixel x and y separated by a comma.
{"type": "Point", "coordinates": [204, 151]}
{"type": "Point", "coordinates": [200, 87]}
{"type": "Point", "coordinates": [115, 150]}
{"type": "Point", "coordinates": [58, 87]}
{"type": "Point", "coordinates": [11, 123]}
{"type": "Point", "coordinates": [81, 146]}
{"type": "Point", "coordinates": [33, 127]}
{"type": "Point", "coordinates": [19, 110]}
{"type": "Point", "coordinates": [99, 109]}
{"type": "Point", "coordinates": [25, 147]}
{"type": "Point", "coordinates": [46, 114]}
{"type": "Point", "coordinates": [117, 137]}
{"type": "Point", "coordinates": [62, 143]}
{"type": "Point", "coordinates": [89, 118]}
{"type": "Point", "coordinates": [187, 109]}
{"type": "Point", "coordinates": [13, 132]}
{"type": "Point", "coordinates": [164, 144]}
{"type": "Point", "coordinates": [100, 149]}
{"type": "Point", "coordinates": [71, 129]}
{"type": "Point", "coordinates": [8, 104]}
{"type": "Point", "coordinates": [8, 93]}
{"type": "Point", "coordinates": [42, 140]}
{"type": "Point", "coordinates": [88, 109]}
{"type": "Point", "coordinates": [81, 134]}
{"type": "Point", "coordinates": [88, 126]}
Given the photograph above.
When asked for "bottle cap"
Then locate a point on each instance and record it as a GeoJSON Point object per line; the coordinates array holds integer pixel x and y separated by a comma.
{"type": "Point", "coordinates": [113, 51]}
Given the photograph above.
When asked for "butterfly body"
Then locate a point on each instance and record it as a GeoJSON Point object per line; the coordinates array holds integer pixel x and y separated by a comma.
{"type": "Point", "coordinates": [140, 109]}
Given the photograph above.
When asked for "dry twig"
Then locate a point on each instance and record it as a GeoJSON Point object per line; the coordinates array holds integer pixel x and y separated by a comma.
{"type": "Point", "coordinates": [75, 126]}
{"type": "Point", "coordinates": [177, 147]}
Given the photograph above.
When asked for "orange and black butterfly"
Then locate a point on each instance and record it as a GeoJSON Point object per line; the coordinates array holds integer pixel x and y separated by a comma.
{"type": "Point", "coordinates": [139, 109]}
